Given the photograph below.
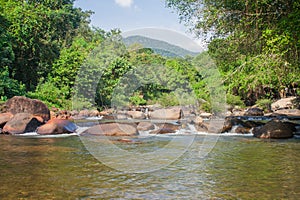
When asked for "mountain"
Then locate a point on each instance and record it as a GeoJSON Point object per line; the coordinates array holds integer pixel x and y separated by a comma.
{"type": "Point", "coordinates": [159, 47]}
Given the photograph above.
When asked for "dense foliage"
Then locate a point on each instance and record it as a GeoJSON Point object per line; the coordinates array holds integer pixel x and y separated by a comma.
{"type": "Point", "coordinates": [114, 75]}
{"type": "Point", "coordinates": [48, 51]}
{"type": "Point", "coordinates": [255, 43]}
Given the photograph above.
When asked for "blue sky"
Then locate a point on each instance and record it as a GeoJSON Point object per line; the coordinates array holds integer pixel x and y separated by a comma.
{"type": "Point", "coordinates": [129, 15]}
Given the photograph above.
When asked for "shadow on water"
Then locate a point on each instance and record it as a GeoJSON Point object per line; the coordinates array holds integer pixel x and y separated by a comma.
{"type": "Point", "coordinates": [236, 168]}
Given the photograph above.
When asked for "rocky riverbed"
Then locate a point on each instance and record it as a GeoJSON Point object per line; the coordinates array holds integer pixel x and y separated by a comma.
{"type": "Point", "coordinates": [22, 115]}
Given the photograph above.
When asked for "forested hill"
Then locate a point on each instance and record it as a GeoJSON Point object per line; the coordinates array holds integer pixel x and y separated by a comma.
{"type": "Point", "coordinates": [159, 47]}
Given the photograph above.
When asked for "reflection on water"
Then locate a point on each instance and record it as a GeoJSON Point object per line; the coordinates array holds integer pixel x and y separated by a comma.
{"type": "Point", "coordinates": [237, 168]}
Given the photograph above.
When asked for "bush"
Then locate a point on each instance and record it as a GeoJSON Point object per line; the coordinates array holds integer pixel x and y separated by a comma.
{"type": "Point", "coordinates": [51, 95]}
{"type": "Point", "coordinates": [137, 100]}
{"type": "Point", "coordinates": [168, 99]}
{"type": "Point", "coordinates": [234, 100]}
{"type": "Point", "coordinates": [9, 87]}
{"type": "Point", "coordinates": [206, 106]}
{"type": "Point", "coordinates": [264, 104]}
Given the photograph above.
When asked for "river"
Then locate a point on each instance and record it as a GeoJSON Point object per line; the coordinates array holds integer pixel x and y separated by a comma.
{"type": "Point", "coordinates": [237, 167]}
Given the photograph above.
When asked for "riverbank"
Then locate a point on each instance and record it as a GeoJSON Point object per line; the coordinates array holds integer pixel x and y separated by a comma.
{"type": "Point", "coordinates": [280, 122]}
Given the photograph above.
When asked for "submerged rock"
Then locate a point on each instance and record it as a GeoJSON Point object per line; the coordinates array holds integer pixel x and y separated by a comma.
{"type": "Point", "coordinates": [57, 126]}
{"type": "Point", "coordinates": [20, 104]}
{"type": "Point", "coordinates": [112, 129]}
{"type": "Point", "coordinates": [22, 123]}
{"type": "Point", "coordinates": [275, 129]}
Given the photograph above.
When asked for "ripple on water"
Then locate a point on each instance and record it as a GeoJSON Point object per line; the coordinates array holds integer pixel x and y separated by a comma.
{"type": "Point", "coordinates": [237, 167]}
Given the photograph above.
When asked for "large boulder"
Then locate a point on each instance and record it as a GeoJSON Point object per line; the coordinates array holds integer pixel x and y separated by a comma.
{"type": "Point", "coordinates": [112, 129]}
{"type": "Point", "coordinates": [4, 118]}
{"type": "Point", "coordinates": [57, 126]}
{"type": "Point", "coordinates": [20, 104]}
{"type": "Point", "coordinates": [166, 128]}
{"type": "Point", "coordinates": [214, 125]}
{"type": "Point", "coordinates": [287, 112]}
{"type": "Point", "coordinates": [285, 103]}
{"type": "Point", "coordinates": [167, 114]}
{"type": "Point", "coordinates": [22, 123]}
{"type": "Point", "coordinates": [145, 126]}
{"type": "Point", "coordinates": [275, 129]}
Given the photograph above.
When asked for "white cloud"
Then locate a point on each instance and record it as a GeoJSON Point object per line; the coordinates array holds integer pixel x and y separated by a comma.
{"type": "Point", "coordinates": [124, 3]}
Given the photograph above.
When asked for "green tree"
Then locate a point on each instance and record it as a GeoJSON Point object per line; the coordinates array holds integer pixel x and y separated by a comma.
{"type": "Point", "coordinates": [38, 30]}
{"type": "Point", "coordinates": [8, 86]}
{"type": "Point", "coordinates": [66, 67]}
{"type": "Point", "coordinates": [255, 43]}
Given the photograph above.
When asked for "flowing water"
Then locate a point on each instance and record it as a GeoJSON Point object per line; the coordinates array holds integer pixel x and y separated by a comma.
{"type": "Point", "coordinates": [238, 167]}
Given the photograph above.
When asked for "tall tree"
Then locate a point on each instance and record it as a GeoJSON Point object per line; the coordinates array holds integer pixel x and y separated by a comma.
{"type": "Point", "coordinates": [38, 30]}
{"type": "Point", "coordinates": [256, 43]}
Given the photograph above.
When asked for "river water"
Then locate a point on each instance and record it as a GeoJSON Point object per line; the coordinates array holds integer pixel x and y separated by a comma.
{"type": "Point", "coordinates": [237, 167]}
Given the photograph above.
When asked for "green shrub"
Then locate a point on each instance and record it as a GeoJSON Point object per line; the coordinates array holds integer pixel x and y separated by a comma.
{"type": "Point", "coordinates": [137, 100]}
{"type": "Point", "coordinates": [168, 99]}
{"type": "Point", "coordinates": [264, 104]}
{"type": "Point", "coordinates": [234, 100]}
{"type": "Point", "coordinates": [51, 95]}
{"type": "Point", "coordinates": [9, 87]}
{"type": "Point", "coordinates": [206, 106]}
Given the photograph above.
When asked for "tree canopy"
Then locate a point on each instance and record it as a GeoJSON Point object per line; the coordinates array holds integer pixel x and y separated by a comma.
{"type": "Point", "coordinates": [48, 50]}
{"type": "Point", "coordinates": [255, 43]}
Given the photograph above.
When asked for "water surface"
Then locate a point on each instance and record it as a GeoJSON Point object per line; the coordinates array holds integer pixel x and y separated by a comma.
{"type": "Point", "coordinates": [238, 167]}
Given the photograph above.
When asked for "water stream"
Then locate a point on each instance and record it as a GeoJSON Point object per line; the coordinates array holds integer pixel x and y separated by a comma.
{"type": "Point", "coordinates": [238, 167]}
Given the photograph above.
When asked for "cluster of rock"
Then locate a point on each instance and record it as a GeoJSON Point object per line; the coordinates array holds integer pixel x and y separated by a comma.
{"type": "Point", "coordinates": [27, 115]}
{"type": "Point", "coordinates": [274, 128]}
{"type": "Point", "coordinates": [165, 122]}
{"type": "Point", "coordinates": [281, 122]}
{"type": "Point", "coordinates": [23, 115]}
{"type": "Point", "coordinates": [143, 112]}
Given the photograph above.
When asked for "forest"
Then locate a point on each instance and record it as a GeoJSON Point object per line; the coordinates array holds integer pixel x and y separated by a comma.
{"type": "Point", "coordinates": [44, 44]}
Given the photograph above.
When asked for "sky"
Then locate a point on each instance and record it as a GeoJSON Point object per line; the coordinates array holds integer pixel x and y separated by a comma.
{"type": "Point", "coordinates": [142, 17]}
